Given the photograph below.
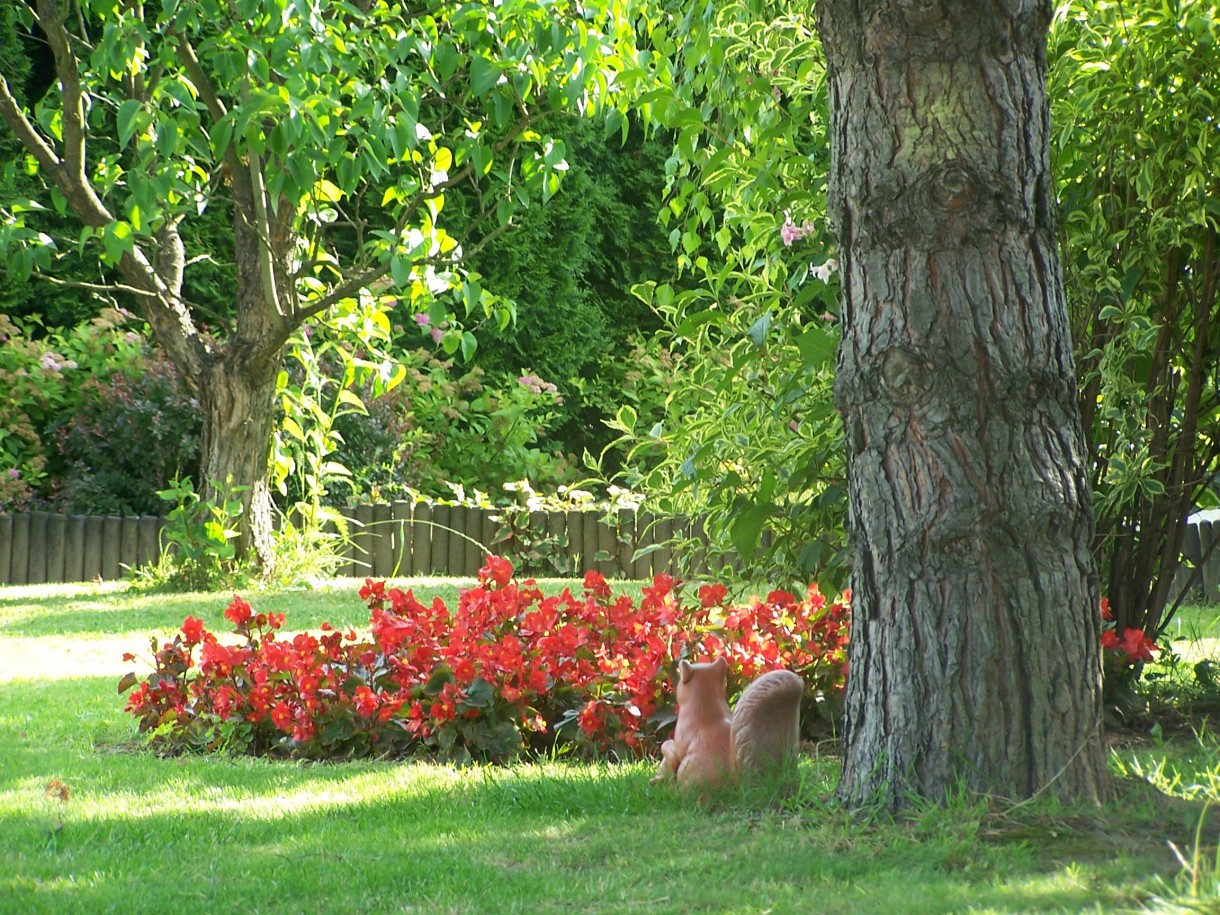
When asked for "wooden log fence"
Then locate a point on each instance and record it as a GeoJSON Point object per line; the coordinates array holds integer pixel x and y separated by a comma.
{"type": "Point", "coordinates": [402, 540]}
{"type": "Point", "coordinates": [386, 540]}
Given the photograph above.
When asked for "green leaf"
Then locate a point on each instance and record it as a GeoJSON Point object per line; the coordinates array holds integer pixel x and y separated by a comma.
{"type": "Point", "coordinates": [747, 527]}
{"type": "Point", "coordinates": [479, 694]}
{"type": "Point", "coordinates": [117, 240]}
{"type": "Point", "coordinates": [697, 320]}
{"type": "Point", "coordinates": [221, 136]}
{"type": "Point", "coordinates": [400, 270]}
{"type": "Point", "coordinates": [441, 675]}
{"type": "Point", "coordinates": [484, 75]}
{"type": "Point", "coordinates": [817, 347]}
{"type": "Point", "coordinates": [126, 119]}
{"type": "Point", "coordinates": [758, 330]}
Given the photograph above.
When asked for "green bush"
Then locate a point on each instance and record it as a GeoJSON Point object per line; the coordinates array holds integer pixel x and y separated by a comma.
{"type": "Point", "coordinates": [134, 433]}
{"type": "Point", "coordinates": [445, 426]}
{"type": "Point", "coordinates": [1133, 110]}
{"type": "Point", "coordinates": [44, 374]}
{"type": "Point", "coordinates": [749, 442]}
{"type": "Point", "coordinates": [569, 267]}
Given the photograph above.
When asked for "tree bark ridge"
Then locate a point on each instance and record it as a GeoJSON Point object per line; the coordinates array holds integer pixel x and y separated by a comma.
{"type": "Point", "coordinates": [975, 655]}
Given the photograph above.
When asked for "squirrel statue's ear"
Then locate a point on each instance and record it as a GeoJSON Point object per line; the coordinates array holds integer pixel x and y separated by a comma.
{"type": "Point", "coordinates": [684, 670]}
{"type": "Point", "coordinates": [721, 664]}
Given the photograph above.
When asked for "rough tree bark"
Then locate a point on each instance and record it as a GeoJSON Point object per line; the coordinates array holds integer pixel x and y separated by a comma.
{"type": "Point", "coordinates": [975, 656]}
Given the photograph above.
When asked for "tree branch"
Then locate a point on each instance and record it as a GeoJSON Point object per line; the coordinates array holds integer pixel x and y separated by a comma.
{"type": "Point", "coordinates": [361, 280]}
{"type": "Point", "coordinates": [106, 288]}
{"type": "Point", "coordinates": [51, 16]}
{"type": "Point", "coordinates": [211, 99]}
{"type": "Point", "coordinates": [160, 302]}
{"type": "Point", "coordinates": [262, 231]}
{"type": "Point", "coordinates": [27, 133]}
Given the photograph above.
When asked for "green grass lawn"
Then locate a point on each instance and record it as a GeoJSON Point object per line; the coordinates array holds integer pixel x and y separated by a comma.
{"type": "Point", "coordinates": [136, 833]}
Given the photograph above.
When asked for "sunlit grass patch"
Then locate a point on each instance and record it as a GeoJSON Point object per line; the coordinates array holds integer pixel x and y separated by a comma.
{"type": "Point", "coordinates": [90, 822]}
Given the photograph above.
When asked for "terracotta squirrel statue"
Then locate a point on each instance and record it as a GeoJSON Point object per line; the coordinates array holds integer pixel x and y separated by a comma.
{"type": "Point", "coordinates": [712, 745]}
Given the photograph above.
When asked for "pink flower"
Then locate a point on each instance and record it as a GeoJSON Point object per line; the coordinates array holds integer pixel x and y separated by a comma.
{"type": "Point", "coordinates": [823, 272]}
{"type": "Point", "coordinates": [790, 233]}
{"type": "Point", "coordinates": [437, 335]}
{"type": "Point", "coordinates": [422, 320]}
{"type": "Point", "coordinates": [537, 385]}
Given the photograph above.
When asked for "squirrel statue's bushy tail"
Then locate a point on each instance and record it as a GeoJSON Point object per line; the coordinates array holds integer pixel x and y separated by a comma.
{"type": "Point", "coordinates": [766, 727]}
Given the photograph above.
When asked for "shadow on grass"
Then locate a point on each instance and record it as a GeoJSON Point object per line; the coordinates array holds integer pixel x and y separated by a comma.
{"type": "Point", "coordinates": [248, 836]}
{"type": "Point", "coordinates": [207, 834]}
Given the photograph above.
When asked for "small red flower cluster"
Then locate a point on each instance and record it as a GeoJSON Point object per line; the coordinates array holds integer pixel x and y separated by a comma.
{"type": "Point", "coordinates": [509, 670]}
{"type": "Point", "coordinates": [1132, 647]}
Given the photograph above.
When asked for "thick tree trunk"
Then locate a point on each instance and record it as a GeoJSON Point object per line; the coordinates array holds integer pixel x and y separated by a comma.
{"type": "Point", "coordinates": [975, 655]}
{"type": "Point", "coordinates": [238, 406]}
{"type": "Point", "coordinates": [236, 389]}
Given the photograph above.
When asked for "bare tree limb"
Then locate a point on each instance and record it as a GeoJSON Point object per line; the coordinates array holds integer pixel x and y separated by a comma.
{"type": "Point", "coordinates": [103, 288]}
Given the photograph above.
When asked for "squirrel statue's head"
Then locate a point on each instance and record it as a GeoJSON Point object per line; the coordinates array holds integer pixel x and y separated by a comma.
{"type": "Point", "coordinates": [702, 681]}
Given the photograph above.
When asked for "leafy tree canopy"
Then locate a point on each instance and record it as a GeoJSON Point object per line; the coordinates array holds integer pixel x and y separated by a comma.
{"type": "Point", "coordinates": [331, 131]}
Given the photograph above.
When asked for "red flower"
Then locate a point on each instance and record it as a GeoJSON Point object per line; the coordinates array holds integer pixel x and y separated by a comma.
{"type": "Point", "coordinates": [218, 658]}
{"type": "Point", "coordinates": [589, 720]}
{"type": "Point", "coordinates": [1138, 646]}
{"type": "Point", "coordinates": [238, 612]}
{"type": "Point", "coordinates": [595, 584]}
{"type": "Point", "coordinates": [281, 716]}
{"type": "Point", "coordinates": [193, 630]}
{"type": "Point", "coordinates": [305, 729]}
{"type": "Point", "coordinates": [139, 699]}
{"type": "Point", "coordinates": [366, 701]}
{"type": "Point", "coordinates": [225, 699]}
{"type": "Point", "coordinates": [1106, 613]}
{"type": "Point", "coordinates": [498, 571]}
{"type": "Point", "coordinates": [1109, 640]}
{"type": "Point", "coordinates": [608, 657]}
{"type": "Point", "coordinates": [372, 591]}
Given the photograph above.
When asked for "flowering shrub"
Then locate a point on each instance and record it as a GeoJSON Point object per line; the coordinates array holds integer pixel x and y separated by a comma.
{"type": "Point", "coordinates": [1125, 651]}
{"type": "Point", "coordinates": [48, 376]}
{"type": "Point", "coordinates": [509, 670]}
